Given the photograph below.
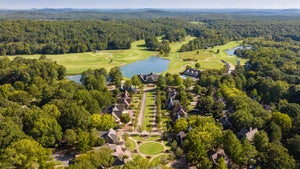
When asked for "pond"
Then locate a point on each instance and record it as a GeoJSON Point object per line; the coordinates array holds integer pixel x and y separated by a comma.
{"type": "Point", "coordinates": [153, 64]}
{"type": "Point", "coordinates": [75, 78]}
{"type": "Point", "coordinates": [231, 51]}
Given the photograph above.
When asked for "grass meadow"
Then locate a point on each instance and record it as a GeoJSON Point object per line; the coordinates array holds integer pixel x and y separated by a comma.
{"type": "Point", "coordinates": [76, 63]}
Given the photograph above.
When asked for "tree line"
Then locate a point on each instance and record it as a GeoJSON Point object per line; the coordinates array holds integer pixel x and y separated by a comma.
{"type": "Point", "coordinates": [60, 37]}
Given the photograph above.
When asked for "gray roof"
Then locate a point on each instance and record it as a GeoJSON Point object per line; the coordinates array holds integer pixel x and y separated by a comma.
{"type": "Point", "coordinates": [192, 72]}
{"type": "Point", "coordinates": [247, 133]}
{"type": "Point", "coordinates": [149, 78]}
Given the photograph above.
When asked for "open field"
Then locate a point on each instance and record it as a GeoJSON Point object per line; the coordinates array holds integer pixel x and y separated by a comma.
{"type": "Point", "coordinates": [208, 59]}
{"type": "Point", "coordinates": [79, 62]}
{"type": "Point", "coordinates": [151, 148]}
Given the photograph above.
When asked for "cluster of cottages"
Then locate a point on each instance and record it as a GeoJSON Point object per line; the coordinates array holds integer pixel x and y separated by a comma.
{"type": "Point", "coordinates": [121, 107]}
{"type": "Point", "coordinates": [118, 148]}
{"type": "Point", "coordinates": [177, 111]}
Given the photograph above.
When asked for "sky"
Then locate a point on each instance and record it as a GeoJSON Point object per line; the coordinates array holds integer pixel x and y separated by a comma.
{"type": "Point", "coordinates": [198, 4]}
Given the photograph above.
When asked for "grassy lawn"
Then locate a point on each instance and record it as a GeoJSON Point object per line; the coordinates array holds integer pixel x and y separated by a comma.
{"type": "Point", "coordinates": [130, 145]}
{"type": "Point", "coordinates": [151, 148]}
{"type": "Point", "coordinates": [165, 121]}
{"type": "Point", "coordinates": [148, 114]}
{"type": "Point", "coordinates": [208, 59]}
{"type": "Point", "coordinates": [134, 155]}
{"type": "Point", "coordinates": [79, 62]}
{"type": "Point", "coordinates": [152, 138]}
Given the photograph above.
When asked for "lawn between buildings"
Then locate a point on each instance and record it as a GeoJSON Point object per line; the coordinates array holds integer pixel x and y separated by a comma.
{"type": "Point", "coordinates": [148, 112]}
{"type": "Point", "coordinates": [76, 63]}
{"type": "Point", "coordinates": [151, 148]}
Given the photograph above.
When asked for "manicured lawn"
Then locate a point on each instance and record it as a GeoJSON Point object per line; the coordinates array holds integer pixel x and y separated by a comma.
{"type": "Point", "coordinates": [152, 138]}
{"type": "Point", "coordinates": [208, 59]}
{"type": "Point", "coordinates": [151, 148]}
{"type": "Point", "coordinates": [130, 144]}
{"type": "Point", "coordinates": [165, 120]}
{"type": "Point", "coordinates": [79, 62]}
{"type": "Point", "coordinates": [148, 114]}
{"type": "Point", "coordinates": [134, 155]}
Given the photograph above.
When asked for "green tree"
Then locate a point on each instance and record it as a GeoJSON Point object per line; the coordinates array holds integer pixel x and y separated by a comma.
{"type": "Point", "coordinates": [135, 80]}
{"type": "Point", "coordinates": [74, 116]}
{"type": "Point", "coordinates": [178, 81]}
{"type": "Point", "coordinates": [242, 119]}
{"type": "Point", "coordinates": [46, 131]}
{"type": "Point", "coordinates": [70, 136]}
{"type": "Point", "coordinates": [221, 164]}
{"type": "Point", "coordinates": [25, 154]}
{"type": "Point", "coordinates": [107, 122]}
{"type": "Point", "coordinates": [137, 163]}
{"type": "Point", "coordinates": [52, 110]}
{"type": "Point", "coordinates": [116, 75]}
{"type": "Point", "coordinates": [179, 152]}
{"type": "Point", "coordinates": [205, 134]}
{"type": "Point", "coordinates": [94, 159]}
{"type": "Point", "coordinates": [174, 145]}
{"type": "Point", "coordinates": [125, 118]}
{"type": "Point", "coordinates": [84, 139]}
{"type": "Point", "coordinates": [181, 125]}
{"type": "Point", "coordinates": [249, 152]}
{"type": "Point", "coordinates": [232, 146]}
{"type": "Point", "coordinates": [261, 140]}
{"type": "Point", "coordinates": [197, 65]}
{"type": "Point", "coordinates": [188, 82]}
{"type": "Point", "coordinates": [205, 104]}
{"type": "Point", "coordinates": [162, 82]}
{"type": "Point", "coordinates": [9, 132]}
{"type": "Point", "coordinates": [276, 157]}
{"type": "Point", "coordinates": [275, 133]}
{"type": "Point", "coordinates": [294, 146]}
{"type": "Point", "coordinates": [283, 120]}
{"type": "Point", "coordinates": [96, 120]}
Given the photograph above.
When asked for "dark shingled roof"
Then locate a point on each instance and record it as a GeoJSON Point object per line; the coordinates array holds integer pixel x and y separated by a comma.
{"type": "Point", "coordinates": [148, 78]}
{"type": "Point", "coordinates": [192, 72]}
{"type": "Point", "coordinates": [115, 110]}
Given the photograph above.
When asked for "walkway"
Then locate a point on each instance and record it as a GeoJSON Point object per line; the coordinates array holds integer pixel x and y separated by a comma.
{"type": "Point", "coordinates": [142, 110]}
{"type": "Point", "coordinates": [154, 114]}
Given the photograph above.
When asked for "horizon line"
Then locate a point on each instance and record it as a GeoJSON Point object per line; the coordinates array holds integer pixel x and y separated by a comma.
{"type": "Point", "coordinates": [151, 8]}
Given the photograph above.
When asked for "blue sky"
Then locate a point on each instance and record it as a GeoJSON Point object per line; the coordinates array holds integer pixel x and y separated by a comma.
{"type": "Point", "coordinates": [257, 4]}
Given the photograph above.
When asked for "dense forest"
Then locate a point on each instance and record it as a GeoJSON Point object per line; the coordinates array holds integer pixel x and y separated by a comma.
{"type": "Point", "coordinates": [59, 37]}
{"type": "Point", "coordinates": [77, 36]}
{"type": "Point", "coordinates": [39, 109]}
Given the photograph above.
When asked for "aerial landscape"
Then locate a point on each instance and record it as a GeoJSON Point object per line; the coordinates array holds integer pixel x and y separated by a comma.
{"type": "Point", "coordinates": [156, 84]}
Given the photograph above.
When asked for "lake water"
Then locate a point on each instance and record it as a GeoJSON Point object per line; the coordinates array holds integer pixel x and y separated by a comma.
{"type": "Point", "coordinates": [75, 78]}
{"type": "Point", "coordinates": [231, 51]}
{"type": "Point", "coordinates": [153, 64]}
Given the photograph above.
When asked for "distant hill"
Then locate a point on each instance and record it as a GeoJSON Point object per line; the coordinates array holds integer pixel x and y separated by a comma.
{"type": "Point", "coordinates": [81, 14]}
